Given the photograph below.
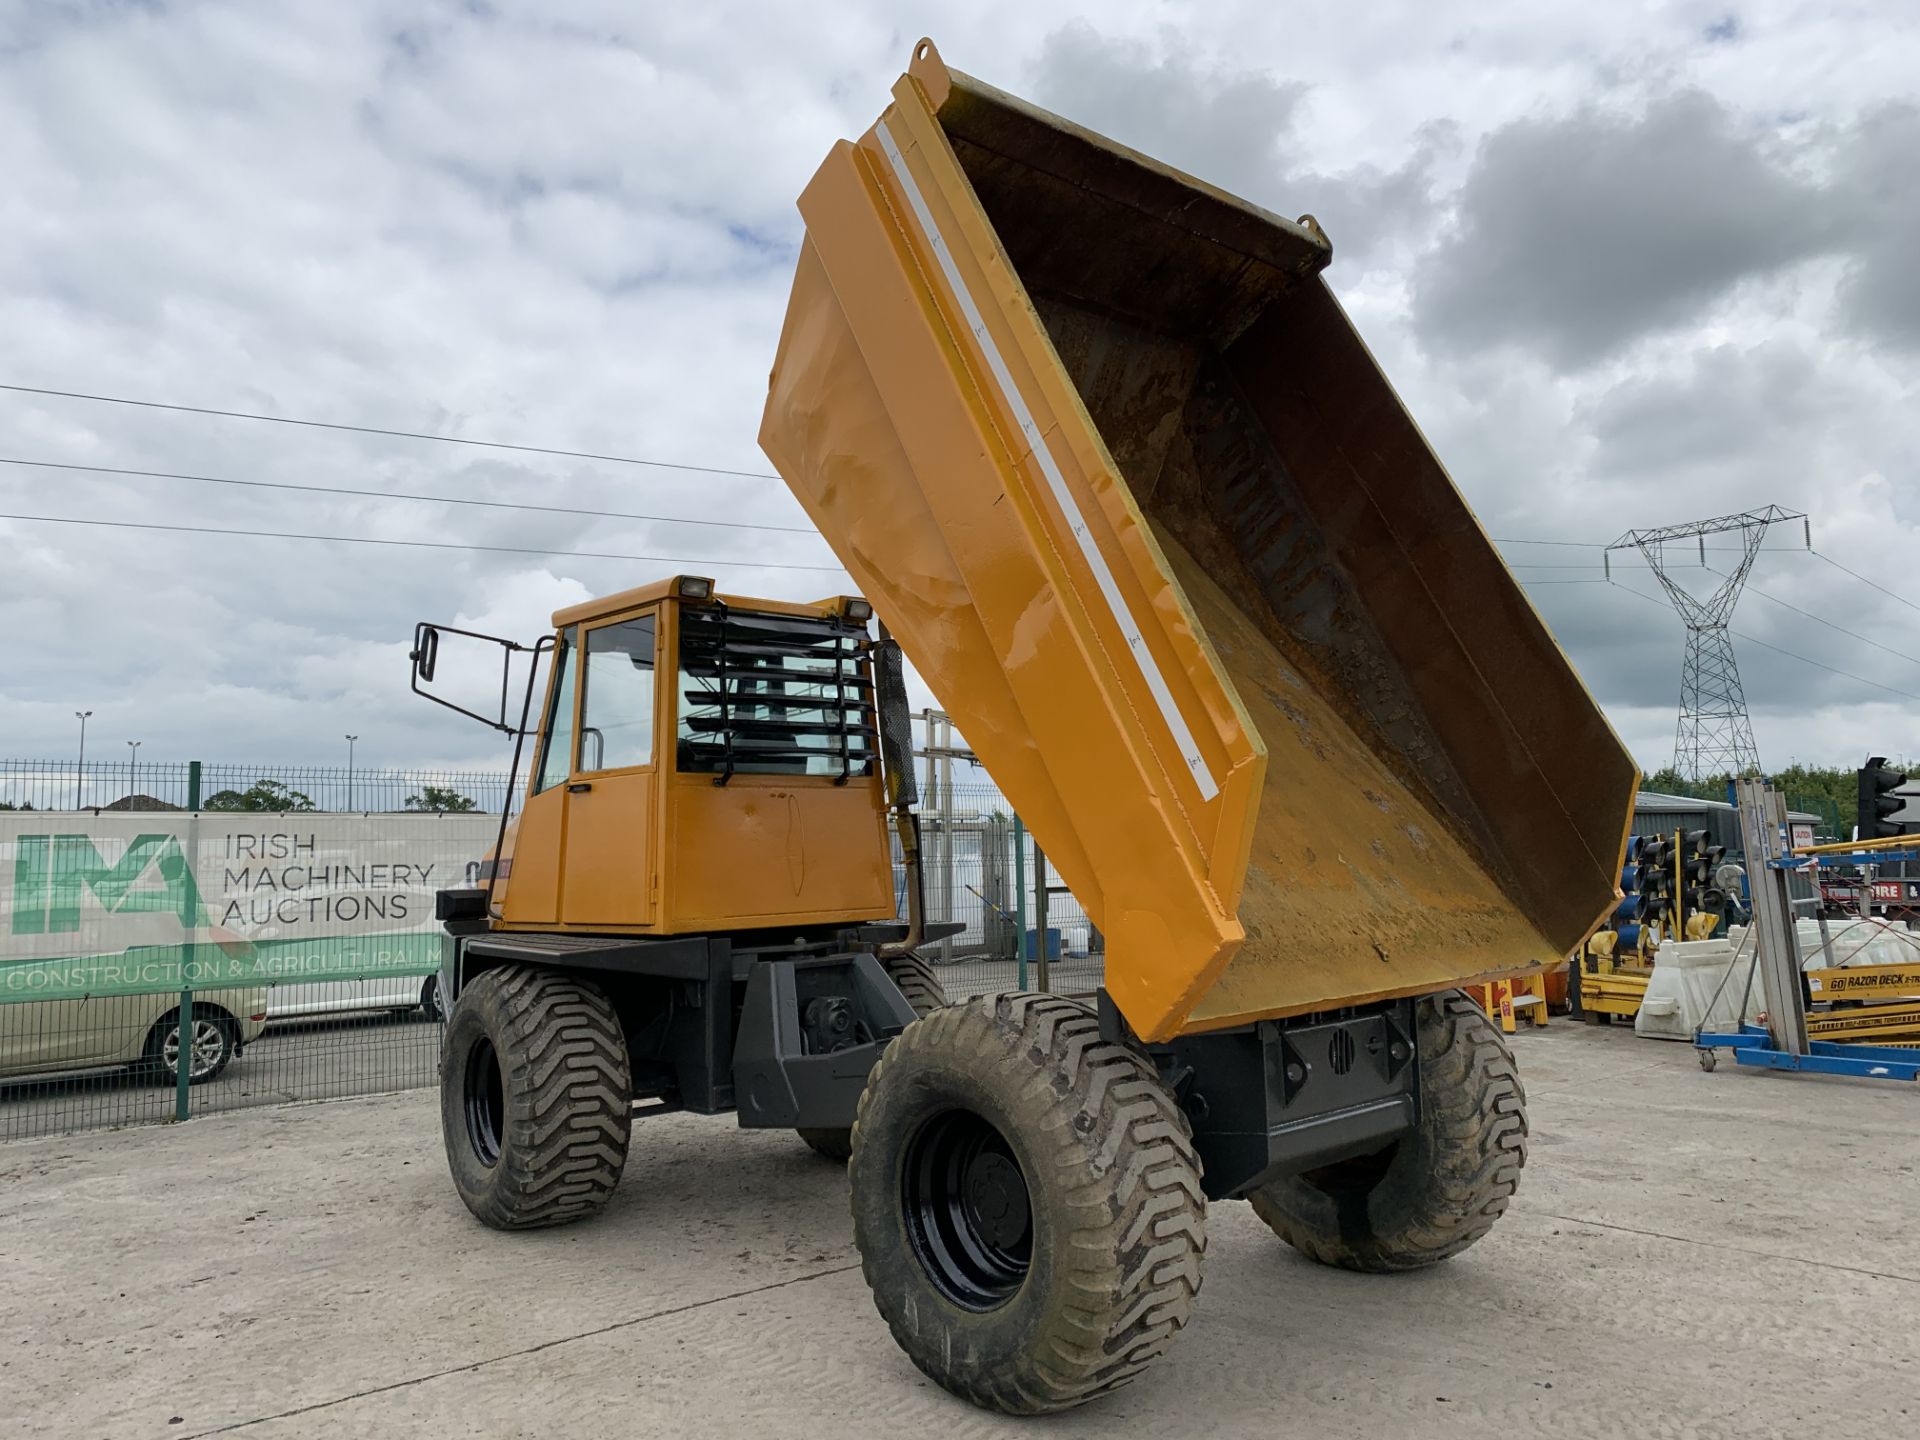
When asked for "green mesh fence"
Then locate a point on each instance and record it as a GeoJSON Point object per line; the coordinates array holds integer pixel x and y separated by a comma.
{"type": "Point", "coordinates": [290, 918]}
{"type": "Point", "coordinates": [300, 947]}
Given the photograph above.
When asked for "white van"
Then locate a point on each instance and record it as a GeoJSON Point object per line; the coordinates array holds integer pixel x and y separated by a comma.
{"type": "Point", "coordinates": [398, 993]}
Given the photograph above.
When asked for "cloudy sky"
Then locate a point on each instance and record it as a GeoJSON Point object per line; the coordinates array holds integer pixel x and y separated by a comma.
{"type": "Point", "coordinates": [1629, 266]}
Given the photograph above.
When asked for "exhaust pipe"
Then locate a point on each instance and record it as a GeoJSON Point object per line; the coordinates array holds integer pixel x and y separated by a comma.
{"type": "Point", "coordinates": [903, 791]}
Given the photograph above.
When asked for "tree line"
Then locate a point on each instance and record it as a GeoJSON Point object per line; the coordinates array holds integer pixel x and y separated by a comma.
{"type": "Point", "coordinates": [1826, 791]}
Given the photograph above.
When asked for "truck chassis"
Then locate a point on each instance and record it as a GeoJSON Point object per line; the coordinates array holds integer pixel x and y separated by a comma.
{"type": "Point", "coordinates": [1029, 1180]}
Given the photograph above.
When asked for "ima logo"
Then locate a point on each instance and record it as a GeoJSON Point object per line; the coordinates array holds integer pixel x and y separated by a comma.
{"type": "Point", "coordinates": [52, 874]}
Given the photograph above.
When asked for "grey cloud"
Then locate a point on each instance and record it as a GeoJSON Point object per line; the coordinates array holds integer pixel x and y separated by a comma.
{"type": "Point", "coordinates": [1576, 234]}
{"type": "Point", "coordinates": [1735, 410]}
{"type": "Point", "coordinates": [570, 225]}
{"type": "Point", "coordinates": [1881, 290]}
{"type": "Point", "coordinates": [1227, 128]}
{"type": "Point", "coordinates": [1236, 128]}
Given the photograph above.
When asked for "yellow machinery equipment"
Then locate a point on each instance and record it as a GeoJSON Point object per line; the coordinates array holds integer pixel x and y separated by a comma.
{"type": "Point", "coordinates": [1875, 1003]}
{"type": "Point", "coordinates": [1510, 1001]}
{"type": "Point", "coordinates": [1611, 985]}
{"type": "Point", "coordinates": [1669, 893]}
{"type": "Point", "coordinates": [1103, 452]}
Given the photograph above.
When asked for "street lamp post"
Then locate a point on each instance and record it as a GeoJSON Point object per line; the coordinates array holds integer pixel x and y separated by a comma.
{"type": "Point", "coordinates": [350, 740]}
{"type": "Point", "coordinates": [133, 771]}
{"type": "Point", "coordinates": [80, 770]}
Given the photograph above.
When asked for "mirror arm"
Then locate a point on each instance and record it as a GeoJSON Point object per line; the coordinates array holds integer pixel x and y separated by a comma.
{"type": "Point", "coordinates": [541, 646]}
{"type": "Point", "coordinates": [424, 659]}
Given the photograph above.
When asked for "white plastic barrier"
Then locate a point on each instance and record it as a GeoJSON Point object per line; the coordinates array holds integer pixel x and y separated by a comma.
{"type": "Point", "coordinates": [1680, 997]}
{"type": "Point", "coordinates": [1857, 942]}
{"type": "Point", "coordinates": [1697, 984]}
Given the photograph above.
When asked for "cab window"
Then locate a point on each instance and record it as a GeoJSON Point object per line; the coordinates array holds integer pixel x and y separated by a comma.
{"type": "Point", "coordinates": [616, 728]}
{"type": "Point", "coordinates": [556, 756]}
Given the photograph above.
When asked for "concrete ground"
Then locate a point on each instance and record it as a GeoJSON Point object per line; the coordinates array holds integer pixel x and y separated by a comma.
{"type": "Point", "coordinates": [1690, 1255]}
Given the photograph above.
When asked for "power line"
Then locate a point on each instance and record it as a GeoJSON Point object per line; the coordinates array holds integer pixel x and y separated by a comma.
{"type": "Point", "coordinates": [1864, 639]}
{"type": "Point", "coordinates": [1864, 581]}
{"type": "Point", "coordinates": [1791, 655]}
{"type": "Point", "coordinates": [404, 495]}
{"type": "Point", "coordinates": [1818, 620]}
{"type": "Point", "coordinates": [1597, 545]}
{"type": "Point", "coordinates": [396, 434]}
{"type": "Point", "coordinates": [1843, 674]}
{"type": "Point", "coordinates": [1793, 549]}
{"type": "Point", "coordinates": [413, 544]}
{"type": "Point", "coordinates": [1728, 549]}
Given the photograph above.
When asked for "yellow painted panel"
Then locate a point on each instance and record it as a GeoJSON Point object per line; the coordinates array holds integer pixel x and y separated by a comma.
{"type": "Point", "coordinates": [767, 850]}
{"type": "Point", "coordinates": [535, 852]}
{"type": "Point", "coordinates": [610, 850]}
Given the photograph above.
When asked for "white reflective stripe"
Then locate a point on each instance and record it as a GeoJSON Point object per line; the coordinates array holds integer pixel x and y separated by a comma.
{"type": "Point", "coordinates": [1056, 482]}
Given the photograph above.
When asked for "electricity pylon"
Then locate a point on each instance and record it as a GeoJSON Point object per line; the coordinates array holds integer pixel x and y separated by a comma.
{"type": "Point", "coordinates": [1715, 735]}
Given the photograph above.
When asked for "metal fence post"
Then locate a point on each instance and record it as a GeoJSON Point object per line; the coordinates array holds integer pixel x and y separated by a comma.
{"type": "Point", "coordinates": [183, 1067]}
{"type": "Point", "coordinates": [946, 831]}
{"type": "Point", "coordinates": [189, 957]}
{"type": "Point", "coordinates": [1020, 898]}
{"type": "Point", "coordinates": [1042, 960]}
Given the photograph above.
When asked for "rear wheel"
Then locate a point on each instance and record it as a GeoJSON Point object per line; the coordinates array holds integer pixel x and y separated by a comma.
{"type": "Point", "coordinates": [1435, 1191]}
{"type": "Point", "coordinates": [1027, 1203]}
{"type": "Point", "coordinates": [925, 993]}
{"type": "Point", "coordinates": [535, 1098]}
{"type": "Point", "coordinates": [431, 1005]}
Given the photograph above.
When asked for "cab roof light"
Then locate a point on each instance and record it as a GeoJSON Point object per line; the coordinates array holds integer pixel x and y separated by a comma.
{"type": "Point", "coordinates": [694, 587]}
{"type": "Point", "coordinates": [858, 609]}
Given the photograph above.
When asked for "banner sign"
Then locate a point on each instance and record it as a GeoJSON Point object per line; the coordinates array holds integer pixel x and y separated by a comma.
{"type": "Point", "coordinates": [122, 904]}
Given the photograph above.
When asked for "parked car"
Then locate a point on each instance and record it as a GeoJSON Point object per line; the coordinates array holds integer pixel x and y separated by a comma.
{"type": "Point", "coordinates": [399, 993]}
{"type": "Point", "coordinates": [48, 1036]}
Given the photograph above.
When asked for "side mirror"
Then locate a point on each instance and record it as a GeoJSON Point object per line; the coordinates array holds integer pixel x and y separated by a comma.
{"type": "Point", "coordinates": [426, 652]}
{"type": "Point", "coordinates": [469, 690]}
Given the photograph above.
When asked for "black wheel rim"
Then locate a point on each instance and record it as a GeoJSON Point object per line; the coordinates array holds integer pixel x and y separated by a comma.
{"type": "Point", "coordinates": [485, 1101]}
{"type": "Point", "coordinates": [969, 1216]}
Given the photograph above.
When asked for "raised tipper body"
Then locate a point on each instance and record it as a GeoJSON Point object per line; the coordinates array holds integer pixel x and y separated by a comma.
{"type": "Point", "coordinates": [1104, 449]}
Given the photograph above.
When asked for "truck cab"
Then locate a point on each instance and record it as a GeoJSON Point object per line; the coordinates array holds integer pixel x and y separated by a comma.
{"type": "Point", "coordinates": [702, 762]}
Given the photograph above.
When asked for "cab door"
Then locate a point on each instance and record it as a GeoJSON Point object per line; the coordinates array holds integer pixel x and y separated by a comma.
{"type": "Point", "coordinates": [537, 839]}
{"type": "Point", "coordinates": [611, 847]}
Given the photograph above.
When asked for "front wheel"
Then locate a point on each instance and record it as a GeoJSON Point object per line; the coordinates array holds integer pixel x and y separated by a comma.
{"type": "Point", "coordinates": [535, 1098]}
{"type": "Point", "coordinates": [1026, 1202]}
{"type": "Point", "coordinates": [1439, 1188]}
{"type": "Point", "coordinates": [214, 1044]}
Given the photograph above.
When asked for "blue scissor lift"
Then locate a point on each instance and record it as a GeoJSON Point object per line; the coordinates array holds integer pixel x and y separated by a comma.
{"type": "Point", "coordinates": [1783, 1044]}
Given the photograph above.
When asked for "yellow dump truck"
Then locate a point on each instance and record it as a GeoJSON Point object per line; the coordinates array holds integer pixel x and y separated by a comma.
{"type": "Point", "coordinates": [1109, 464]}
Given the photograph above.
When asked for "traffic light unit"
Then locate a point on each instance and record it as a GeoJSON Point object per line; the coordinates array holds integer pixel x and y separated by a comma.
{"type": "Point", "coordinates": [1653, 880]}
{"type": "Point", "coordinates": [1701, 902]}
{"type": "Point", "coordinates": [1672, 890]}
{"type": "Point", "coordinates": [1878, 804]}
